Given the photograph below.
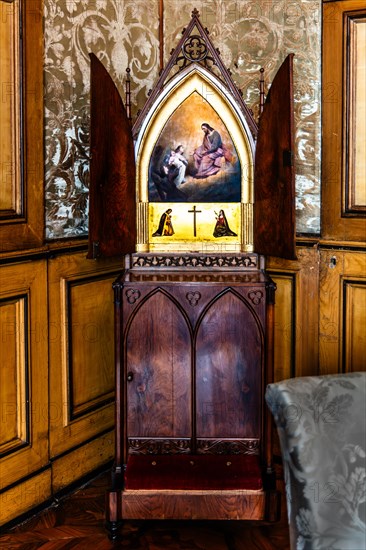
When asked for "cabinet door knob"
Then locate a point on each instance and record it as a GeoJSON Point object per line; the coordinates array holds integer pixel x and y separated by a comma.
{"type": "Point", "coordinates": [129, 376]}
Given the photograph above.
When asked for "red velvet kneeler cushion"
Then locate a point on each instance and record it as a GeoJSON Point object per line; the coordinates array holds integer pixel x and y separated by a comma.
{"type": "Point", "coordinates": [200, 472]}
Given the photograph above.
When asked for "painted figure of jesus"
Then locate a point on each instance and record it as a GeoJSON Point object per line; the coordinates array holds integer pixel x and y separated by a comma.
{"type": "Point", "coordinates": [208, 156]}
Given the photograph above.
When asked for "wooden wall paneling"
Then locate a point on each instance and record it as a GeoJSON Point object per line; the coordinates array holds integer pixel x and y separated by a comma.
{"type": "Point", "coordinates": [339, 192]}
{"type": "Point", "coordinates": [21, 498]}
{"type": "Point", "coordinates": [296, 313]}
{"type": "Point", "coordinates": [10, 188]}
{"type": "Point", "coordinates": [22, 168]}
{"type": "Point", "coordinates": [342, 322]}
{"type": "Point", "coordinates": [82, 460]}
{"type": "Point", "coordinates": [354, 333]}
{"type": "Point", "coordinates": [81, 358]}
{"type": "Point", "coordinates": [285, 325]}
{"type": "Point", "coordinates": [23, 381]}
{"type": "Point", "coordinates": [14, 372]}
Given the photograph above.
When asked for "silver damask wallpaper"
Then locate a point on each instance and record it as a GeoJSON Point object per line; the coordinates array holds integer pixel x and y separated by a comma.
{"type": "Point", "coordinates": [125, 33]}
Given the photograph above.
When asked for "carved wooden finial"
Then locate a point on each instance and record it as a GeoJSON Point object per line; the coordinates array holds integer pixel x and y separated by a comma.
{"type": "Point", "coordinates": [195, 13]}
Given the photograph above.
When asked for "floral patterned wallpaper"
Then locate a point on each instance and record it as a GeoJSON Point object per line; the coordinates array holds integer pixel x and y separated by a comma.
{"type": "Point", "coordinates": [125, 33]}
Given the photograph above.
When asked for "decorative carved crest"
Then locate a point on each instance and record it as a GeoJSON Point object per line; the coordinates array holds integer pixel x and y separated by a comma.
{"type": "Point", "coordinates": [195, 48]}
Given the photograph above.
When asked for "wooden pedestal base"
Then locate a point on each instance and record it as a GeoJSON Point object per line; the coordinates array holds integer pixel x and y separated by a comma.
{"type": "Point", "coordinates": [191, 505]}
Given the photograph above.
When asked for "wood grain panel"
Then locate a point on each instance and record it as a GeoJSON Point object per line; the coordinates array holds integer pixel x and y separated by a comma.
{"type": "Point", "coordinates": [24, 335]}
{"type": "Point", "coordinates": [354, 160]}
{"type": "Point", "coordinates": [14, 380]}
{"type": "Point", "coordinates": [23, 168]}
{"type": "Point", "coordinates": [354, 332]}
{"type": "Point", "coordinates": [81, 350]}
{"type": "Point", "coordinates": [227, 382]}
{"type": "Point", "coordinates": [159, 360]}
{"type": "Point", "coordinates": [24, 497]}
{"type": "Point", "coordinates": [90, 340]}
{"type": "Point", "coordinates": [296, 313]}
{"type": "Point", "coordinates": [342, 313]}
{"type": "Point", "coordinates": [85, 459]}
{"type": "Point", "coordinates": [285, 325]}
{"type": "Point", "coordinates": [335, 68]}
{"type": "Point", "coordinates": [194, 505]}
{"type": "Point", "coordinates": [10, 158]}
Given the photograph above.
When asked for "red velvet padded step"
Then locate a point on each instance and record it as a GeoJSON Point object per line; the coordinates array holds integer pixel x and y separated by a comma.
{"type": "Point", "coordinates": [197, 472]}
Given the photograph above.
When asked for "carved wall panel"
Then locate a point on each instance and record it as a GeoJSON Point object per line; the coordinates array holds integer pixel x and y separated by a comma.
{"type": "Point", "coordinates": [296, 314]}
{"type": "Point", "coordinates": [90, 342]}
{"type": "Point", "coordinates": [342, 342]}
{"type": "Point", "coordinates": [125, 33]}
{"type": "Point", "coordinates": [81, 351]}
{"type": "Point", "coordinates": [23, 377]}
{"type": "Point", "coordinates": [14, 376]}
{"type": "Point", "coordinates": [354, 339]}
{"type": "Point", "coordinates": [10, 188]}
{"type": "Point", "coordinates": [285, 324]}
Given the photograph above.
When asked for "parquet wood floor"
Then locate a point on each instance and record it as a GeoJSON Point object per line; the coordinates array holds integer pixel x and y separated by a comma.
{"type": "Point", "coordinates": [77, 521]}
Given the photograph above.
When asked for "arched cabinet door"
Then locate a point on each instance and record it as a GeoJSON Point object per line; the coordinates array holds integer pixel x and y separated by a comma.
{"type": "Point", "coordinates": [158, 358]}
{"type": "Point", "coordinates": [229, 358]}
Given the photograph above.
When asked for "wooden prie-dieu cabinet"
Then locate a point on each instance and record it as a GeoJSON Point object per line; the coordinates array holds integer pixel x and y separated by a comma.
{"type": "Point", "coordinates": [194, 194]}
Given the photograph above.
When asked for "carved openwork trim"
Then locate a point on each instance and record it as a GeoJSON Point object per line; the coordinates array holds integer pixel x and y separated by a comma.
{"type": "Point", "coordinates": [232, 447]}
{"type": "Point", "coordinates": [194, 48]}
{"type": "Point", "coordinates": [225, 261]}
{"type": "Point", "coordinates": [159, 446]}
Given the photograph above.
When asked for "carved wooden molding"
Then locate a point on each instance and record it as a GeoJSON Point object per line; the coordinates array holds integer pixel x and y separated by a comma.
{"type": "Point", "coordinates": [195, 47]}
{"type": "Point", "coordinates": [198, 277]}
{"type": "Point", "coordinates": [159, 446]}
{"type": "Point", "coordinates": [232, 447]}
{"type": "Point", "coordinates": [221, 261]}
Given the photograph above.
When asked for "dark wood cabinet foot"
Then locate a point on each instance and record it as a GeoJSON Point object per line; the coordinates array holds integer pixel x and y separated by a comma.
{"type": "Point", "coordinates": [113, 528]}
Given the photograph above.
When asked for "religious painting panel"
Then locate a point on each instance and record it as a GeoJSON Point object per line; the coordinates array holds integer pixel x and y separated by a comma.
{"type": "Point", "coordinates": [194, 158]}
{"type": "Point", "coordinates": [194, 170]}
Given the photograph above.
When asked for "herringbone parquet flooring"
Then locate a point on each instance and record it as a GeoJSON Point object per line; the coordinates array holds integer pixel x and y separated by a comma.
{"type": "Point", "coordinates": [77, 522]}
